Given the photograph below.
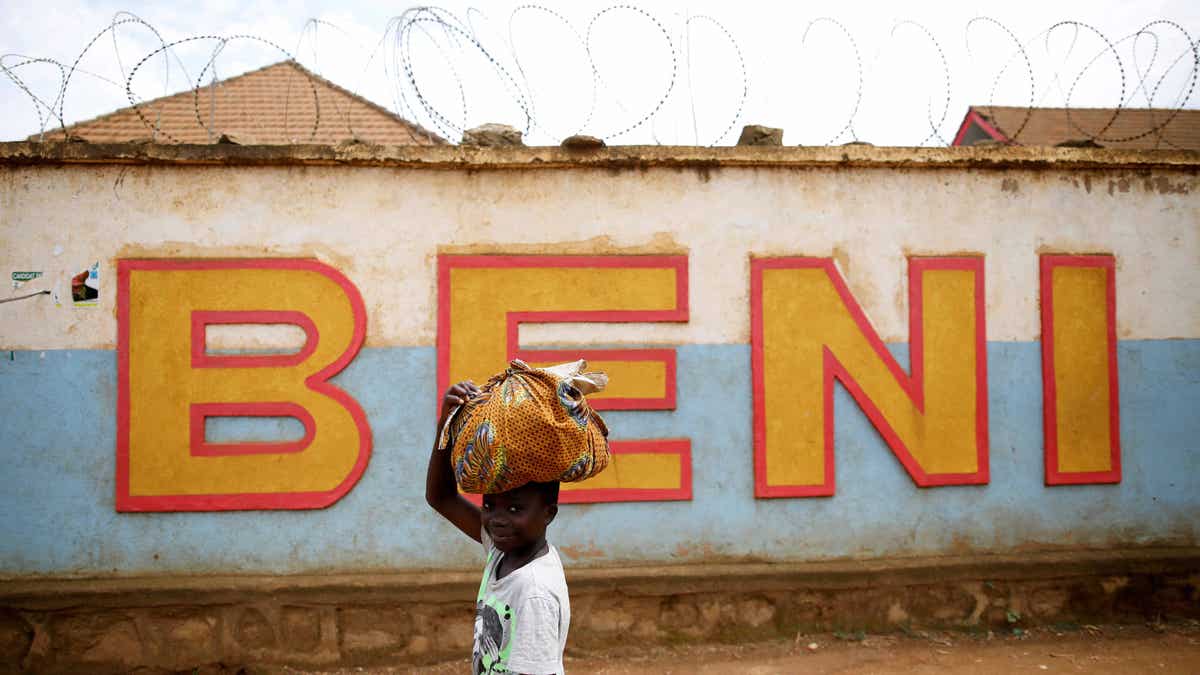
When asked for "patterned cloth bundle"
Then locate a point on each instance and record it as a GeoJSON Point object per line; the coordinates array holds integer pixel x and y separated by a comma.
{"type": "Point", "coordinates": [528, 424]}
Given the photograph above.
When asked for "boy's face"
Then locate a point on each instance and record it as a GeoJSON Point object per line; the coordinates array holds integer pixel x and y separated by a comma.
{"type": "Point", "coordinates": [516, 520]}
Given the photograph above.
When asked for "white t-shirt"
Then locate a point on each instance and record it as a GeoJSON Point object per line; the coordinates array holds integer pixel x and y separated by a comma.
{"type": "Point", "coordinates": [521, 620]}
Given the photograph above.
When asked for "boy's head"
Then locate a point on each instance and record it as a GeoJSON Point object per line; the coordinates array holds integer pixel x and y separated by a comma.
{"type": "Point", "coordinates": [517, 519]}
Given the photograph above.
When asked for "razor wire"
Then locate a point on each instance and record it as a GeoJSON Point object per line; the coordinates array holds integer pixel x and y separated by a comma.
{"type": "Point", "coordinates": [444, 72]}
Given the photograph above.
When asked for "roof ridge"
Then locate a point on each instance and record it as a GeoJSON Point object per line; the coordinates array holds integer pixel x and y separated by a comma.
{"type": "Point", "coordinates": [368, 102]}
{"type": "Point", "coordinates": [412, 128]}
{"type": "Point", "coordinates": [159, 99]}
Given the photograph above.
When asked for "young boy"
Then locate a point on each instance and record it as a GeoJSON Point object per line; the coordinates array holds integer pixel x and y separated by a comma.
{"type": "Point", "coordinates": [522, 611]}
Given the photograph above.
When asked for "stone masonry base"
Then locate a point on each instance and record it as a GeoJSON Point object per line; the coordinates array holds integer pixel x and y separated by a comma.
{"type": "Point", "coordinates": [177, 623]}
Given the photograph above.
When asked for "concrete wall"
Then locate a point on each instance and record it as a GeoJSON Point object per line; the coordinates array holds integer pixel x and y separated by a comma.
{"type": "Point", "coordinates": [382, 220]}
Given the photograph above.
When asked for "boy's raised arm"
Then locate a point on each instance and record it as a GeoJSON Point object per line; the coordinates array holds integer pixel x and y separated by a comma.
{"type": "Point", "coordinates": [441, 492]}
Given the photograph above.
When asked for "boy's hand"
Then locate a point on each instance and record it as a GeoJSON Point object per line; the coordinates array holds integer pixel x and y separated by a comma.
{"type": "Point", "coordinates": [457, 395]}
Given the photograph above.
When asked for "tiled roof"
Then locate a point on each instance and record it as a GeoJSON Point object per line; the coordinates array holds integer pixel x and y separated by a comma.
{"type": "Point", "coordinates": [273, 105]}
{"type": "Point", "coordinates": [1131, 129]}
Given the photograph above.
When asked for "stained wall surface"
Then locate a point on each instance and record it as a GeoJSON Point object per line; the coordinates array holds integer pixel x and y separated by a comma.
{"type": "Point", "coordinates": [397, 232]}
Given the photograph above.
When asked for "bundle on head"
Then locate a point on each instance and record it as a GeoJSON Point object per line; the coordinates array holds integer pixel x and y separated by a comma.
{"type": "Point", "coordinates": [528, 425]}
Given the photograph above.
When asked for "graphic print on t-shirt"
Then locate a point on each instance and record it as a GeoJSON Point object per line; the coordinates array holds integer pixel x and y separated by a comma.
{"type": "Point", "coordinates": [493, 626]}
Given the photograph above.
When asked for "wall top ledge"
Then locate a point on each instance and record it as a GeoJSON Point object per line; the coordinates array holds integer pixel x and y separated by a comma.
{"type": "Point", "coordinates": [628, 157]}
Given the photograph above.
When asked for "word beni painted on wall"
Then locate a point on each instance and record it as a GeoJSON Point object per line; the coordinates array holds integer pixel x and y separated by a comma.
{"type": "Point", "coordinates": [807, 330]}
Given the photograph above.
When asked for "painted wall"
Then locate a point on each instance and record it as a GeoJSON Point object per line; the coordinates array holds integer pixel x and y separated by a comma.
{"type": "Point", "coordinates": [396, 234]}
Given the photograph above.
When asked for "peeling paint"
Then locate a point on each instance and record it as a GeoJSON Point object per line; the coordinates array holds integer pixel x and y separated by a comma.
{"type": "Point", "coordinates": [582, 552]}
{"type": "Point", "coordinates": [1165, 186]}
{"type": "Point", "coordinates": [660, 243]}
{"type": "Point", "coordinates": [188, 249]}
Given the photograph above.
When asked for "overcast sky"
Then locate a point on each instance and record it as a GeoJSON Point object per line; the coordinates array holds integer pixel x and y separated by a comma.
{"type": "Point", "coordinates": [706, 67]}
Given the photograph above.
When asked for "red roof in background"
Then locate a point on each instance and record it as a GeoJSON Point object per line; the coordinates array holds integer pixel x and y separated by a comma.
{"type": "Point", "coordinates": [273, 105]}
{"type": "Point", "coordinates": [1131, 128]}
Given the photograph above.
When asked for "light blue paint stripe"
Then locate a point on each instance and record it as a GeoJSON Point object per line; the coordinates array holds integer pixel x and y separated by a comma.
{"type": "Point", "coordinates": [252, 429]}
{"type": "Point", "coordinates": [58, 439]}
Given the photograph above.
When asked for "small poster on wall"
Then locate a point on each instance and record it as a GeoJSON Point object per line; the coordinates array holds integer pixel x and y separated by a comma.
{"type": "Point", "coordinates": [85, 287]}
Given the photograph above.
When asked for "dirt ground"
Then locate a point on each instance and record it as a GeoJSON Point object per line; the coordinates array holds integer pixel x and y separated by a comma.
{"type": "Point", "coordinates": [1152, 648]}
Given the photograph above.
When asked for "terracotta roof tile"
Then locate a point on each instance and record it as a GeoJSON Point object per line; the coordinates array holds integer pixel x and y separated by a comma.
{"type": "Point", "coordinates": [1131, 129]}
{"type": "Point", "coordinates": [275, 105]}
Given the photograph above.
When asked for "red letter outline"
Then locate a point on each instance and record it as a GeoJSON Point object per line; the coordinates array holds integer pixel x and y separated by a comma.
{"type": "Point", "coordinates": [202, 319]}
{"type": "Point", "coordinates": [913, 385]}
{"type": "Point", "coordinates": [1050, 387]}
{"type": "Point", "coordinates": [202, 448]}
{"type": "Point", "coordinates": [679, 313]}
{"type": "Point", "coordinates": [317, 382]}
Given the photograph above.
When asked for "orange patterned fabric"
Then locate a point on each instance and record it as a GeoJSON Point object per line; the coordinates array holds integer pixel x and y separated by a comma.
{"type": "Point", "coordinates": [527, 424]}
